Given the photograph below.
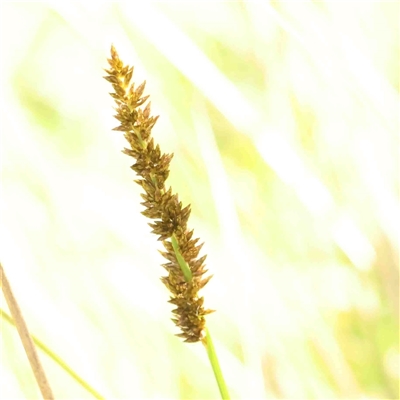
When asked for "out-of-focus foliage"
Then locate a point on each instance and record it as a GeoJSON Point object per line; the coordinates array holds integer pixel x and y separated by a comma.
{"type": "Point", "coordinates": [283, 117]}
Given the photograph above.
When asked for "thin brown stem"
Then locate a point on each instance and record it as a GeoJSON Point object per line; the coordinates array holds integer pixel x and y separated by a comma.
{"type": "Point", "coordinates": [25, 337]}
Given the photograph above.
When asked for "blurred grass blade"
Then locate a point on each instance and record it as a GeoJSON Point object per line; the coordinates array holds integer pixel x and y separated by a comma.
{"type": "Point", "coordinates": [26, 338]}
{"type": "Point", "coordinates": [57, 359]}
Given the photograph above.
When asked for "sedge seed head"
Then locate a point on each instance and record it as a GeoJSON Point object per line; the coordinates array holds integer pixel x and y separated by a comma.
{"type": "Point", "coordinates": [161, 205]}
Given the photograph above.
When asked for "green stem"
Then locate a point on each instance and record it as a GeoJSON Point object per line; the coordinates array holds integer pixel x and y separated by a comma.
{"type": "Point", "coordinates": [212, 355]}
{"type": "Point", "coordinates": [56, 359]}
{"type": "Point", "coordinates": [187, 273]}
{"type": "Point", "coordinates": [207, 341]}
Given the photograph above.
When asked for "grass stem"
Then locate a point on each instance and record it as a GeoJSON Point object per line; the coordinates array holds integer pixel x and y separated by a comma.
{"type": "Point", "coordinates": [187, 273]}
{"type": "Point", "coordinates": [26, 338]}
{"type": "Point", "coordinates": [57, 359]}
{"type": "Point", "coordinates": [207, 340]}
{"type": "Point", "coordinates": [212, 355]}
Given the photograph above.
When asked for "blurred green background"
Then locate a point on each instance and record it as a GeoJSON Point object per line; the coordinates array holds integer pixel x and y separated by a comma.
{"type": "Point", "coordinates": [283, 118]}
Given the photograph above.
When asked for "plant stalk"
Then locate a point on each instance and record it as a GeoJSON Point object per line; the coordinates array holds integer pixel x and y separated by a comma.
{"type": "Point", "coordinates": [26, 338]}
{"type": "Point", "coordinates": [207, 340]}
{"type": "Point", "coordinates": [57, 359]}
{"type": "Point", "coordinates": [212, 355]}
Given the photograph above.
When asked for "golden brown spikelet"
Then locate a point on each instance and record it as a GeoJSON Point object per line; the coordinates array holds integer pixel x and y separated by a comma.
{"type": "Point", "coordinates": [161, 205]}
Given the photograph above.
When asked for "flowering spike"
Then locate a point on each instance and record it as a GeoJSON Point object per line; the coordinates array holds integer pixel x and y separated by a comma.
{"type": "Point", "coordinates": [185, 269]}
